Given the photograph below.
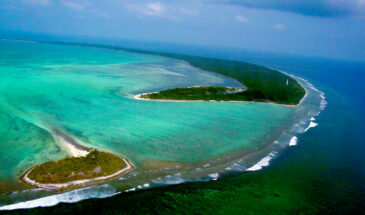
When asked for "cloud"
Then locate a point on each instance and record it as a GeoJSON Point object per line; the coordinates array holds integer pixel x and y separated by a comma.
{"type": "Point", "coordinates": [84, 6]}
{"type": "Point", "coordinates": [37, 2]}
{"type": "Point", "coordinates": [156, 9]}
{"type": "Point", "coordinates": [242, 19]}
{"type": "Point", "coordinates": [316, 8]}
{"type": "Point", "coordinates": [148, 9]}
{"type": "Point", "coordinates": [279, 27]}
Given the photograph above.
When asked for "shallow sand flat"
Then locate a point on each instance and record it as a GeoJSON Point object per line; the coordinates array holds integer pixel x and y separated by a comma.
{"type": "Point", "coordinates": [73, 146]}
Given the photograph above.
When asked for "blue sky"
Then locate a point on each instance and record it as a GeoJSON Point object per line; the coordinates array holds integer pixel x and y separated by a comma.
{"type": "Point", "coordinates": [326, 28]}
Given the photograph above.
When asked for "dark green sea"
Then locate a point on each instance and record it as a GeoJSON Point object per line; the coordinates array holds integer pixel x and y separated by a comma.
{"type": "Point", "coordinates": [324, 173]}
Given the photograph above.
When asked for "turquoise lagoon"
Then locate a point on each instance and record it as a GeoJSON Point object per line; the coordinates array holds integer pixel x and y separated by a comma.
{"type": "Point", "coordinates": [88, 93]}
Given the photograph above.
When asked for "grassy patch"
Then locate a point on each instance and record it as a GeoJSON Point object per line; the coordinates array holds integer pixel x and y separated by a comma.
{"type": "Point", "coordinates": [95, 164]}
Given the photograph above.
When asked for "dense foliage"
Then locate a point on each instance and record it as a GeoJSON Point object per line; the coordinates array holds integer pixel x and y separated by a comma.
{"type": "Point", "coordinates": [95, 164]}
{"type": "Point", "coordinates": [263, 84]}
{"type": "Point", "coordinates": [197, 93]}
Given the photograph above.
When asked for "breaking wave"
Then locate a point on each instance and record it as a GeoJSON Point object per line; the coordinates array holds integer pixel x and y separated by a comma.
{"type": "Point", "coordinates": [102, 191]}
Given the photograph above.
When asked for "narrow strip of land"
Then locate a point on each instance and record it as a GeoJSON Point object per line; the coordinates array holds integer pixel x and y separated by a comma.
{"type": "Point", "coordinates": [202, 94]}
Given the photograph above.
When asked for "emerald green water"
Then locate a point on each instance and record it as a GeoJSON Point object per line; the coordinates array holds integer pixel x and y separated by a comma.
{"type": "Point", "coordinates": [88, 94]}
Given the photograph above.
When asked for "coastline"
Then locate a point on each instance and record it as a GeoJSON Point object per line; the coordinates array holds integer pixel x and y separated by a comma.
{"type": "Point", "coordinates": [298, 79]}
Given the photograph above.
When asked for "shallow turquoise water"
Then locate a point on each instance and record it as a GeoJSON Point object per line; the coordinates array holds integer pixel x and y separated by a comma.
{"type": "Point", "coordinates": [88, 93]}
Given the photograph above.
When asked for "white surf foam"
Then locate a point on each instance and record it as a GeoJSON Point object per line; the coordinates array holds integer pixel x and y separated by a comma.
{"type": "Point", "coordinates": [236, 167]}
{"type": "Point", "coordinates": [169, 179]}
{"type": "Point", "coordinates": [323, 104]}
{"type": "Point", "coordinates": [130, 190]}
{"type": "Point", "coordinates": [293, 141]}
{"type": "Point", "coordinates": [214, 176]}
{"type": "Point", "coordinates": [68, 197]}
{"type": "Point", "coordinates": [311, 125]}
{"type": "Point", "coordinates": [262, 163]}
{"type": "Point", "coordinates": [146, 185]}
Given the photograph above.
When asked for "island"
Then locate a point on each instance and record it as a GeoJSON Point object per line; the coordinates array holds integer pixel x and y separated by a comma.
{"type": "Point", "coordinates": [83, 166]}
{"type": "Point", "coordinates": [263, 84]}
{"type": "Point", "coordinates": [196, 93]}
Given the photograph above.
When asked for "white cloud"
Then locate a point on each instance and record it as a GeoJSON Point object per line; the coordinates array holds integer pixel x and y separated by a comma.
{"type": "Point", "coordinates": [148, 9]}
{"type": "Point", "coordinates": [84, 6]}
{"type": "Point", "coordinates": [278, 27]}
{"type": "Point", "coordinates": [156, 9]}
{"type": "Point", "coordinates": [242, 19]}
{"type": "Point", "coordinates": [37, 2]}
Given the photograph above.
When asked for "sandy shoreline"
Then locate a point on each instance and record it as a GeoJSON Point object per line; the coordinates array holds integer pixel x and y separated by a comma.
{"type": "Point", "coordinates": [73, 146]}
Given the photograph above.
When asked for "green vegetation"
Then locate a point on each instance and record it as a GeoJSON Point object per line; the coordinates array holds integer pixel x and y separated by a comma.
{"type": "Point", "coordinates": [264, 84]}
{"type": "Point", "coordinates": [95, 164]}
{"type": "Point", "coordinates": [198, 93]}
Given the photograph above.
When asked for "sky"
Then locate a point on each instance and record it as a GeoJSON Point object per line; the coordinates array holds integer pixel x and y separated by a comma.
{"type": "Point", "coordinates": [324, 28]}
